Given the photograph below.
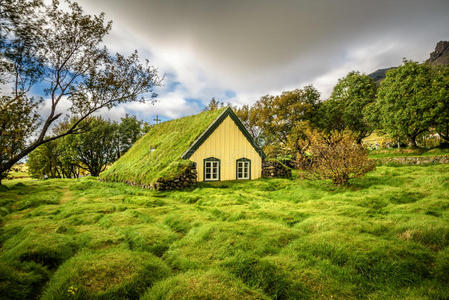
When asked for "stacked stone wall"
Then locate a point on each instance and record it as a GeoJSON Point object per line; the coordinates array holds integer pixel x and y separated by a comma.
{"type": "Point", "coordinates": [275, 169]}
{"type": "Point", "coordinates": [414, 160]}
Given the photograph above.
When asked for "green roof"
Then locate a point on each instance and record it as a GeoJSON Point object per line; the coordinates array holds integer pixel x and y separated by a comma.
{"type": "Point", "coordinates": [158, 153]}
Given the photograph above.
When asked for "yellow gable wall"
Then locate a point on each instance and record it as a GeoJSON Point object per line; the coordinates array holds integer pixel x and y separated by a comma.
{"type": "Point", "coordinates": [228, 144]}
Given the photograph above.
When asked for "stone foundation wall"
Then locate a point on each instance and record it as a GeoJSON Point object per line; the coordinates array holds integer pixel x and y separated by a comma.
{"type": "Point", "coordinates": [186, 179]}
{"type": "Point", "coordinates": [274, 169]}
{"type": "Point", "coordinates": [414, 160]}
{"type": "Point", "coordinates": [183, 180]}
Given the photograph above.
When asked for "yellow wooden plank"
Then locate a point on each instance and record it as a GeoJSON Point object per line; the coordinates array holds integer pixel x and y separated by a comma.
{"type": "Point", "coordinates": [228, 144]}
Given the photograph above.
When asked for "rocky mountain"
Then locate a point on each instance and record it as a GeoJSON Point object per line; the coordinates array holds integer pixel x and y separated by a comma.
{"type": "Point", "coordinates": [438, 57]}
{"type": "Point", "coordinates": [379, 74]}
{"type": "Point", "coordinates": [441, 54]}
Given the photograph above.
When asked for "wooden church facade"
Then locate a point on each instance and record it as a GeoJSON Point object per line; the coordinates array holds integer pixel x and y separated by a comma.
{"type": "Point", "coordinates": [226, 151]}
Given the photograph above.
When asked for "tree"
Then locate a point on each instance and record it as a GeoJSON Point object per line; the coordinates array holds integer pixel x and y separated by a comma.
{"type": "Point", "coordinates": [126, 134]}
{"type": "Point", "coordinates": [94, 149]}
{"type": "Point", "coordinates": [346, 108]}
{"type": "Point", "coordinates": [44, 161]}
{"type": "Point", "coordinates": [284, 118]}
{"type": "Point", "coordinates": [60, 50]}
{"type": "Point", "coordinates": [441, 95]}
{"type": "Point", "coordinates": [249, 117]}
{"type": "Point", "coordinates": [406, 101]}
{"type": "Point", "coordinates": [337, 156]}
{"type": "Point", "coordinates": [99, 143]}
{"type": "Point", "coordinates": [54, 159]}
{"type": "Point", "coordinates": [213, 105]}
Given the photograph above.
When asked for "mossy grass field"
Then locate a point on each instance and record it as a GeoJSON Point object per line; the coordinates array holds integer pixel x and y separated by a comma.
{"type": "Point", "coordinates": [384, 237]}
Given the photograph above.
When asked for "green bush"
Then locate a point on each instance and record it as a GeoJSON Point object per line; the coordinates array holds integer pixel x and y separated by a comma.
{"type": "Point", "coordinates": [112, 274]}
{"type": "Point", "coordinates": [212, 284]}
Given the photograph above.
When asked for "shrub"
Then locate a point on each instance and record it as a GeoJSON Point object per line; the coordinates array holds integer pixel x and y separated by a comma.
{"type": "Point", "coordinates": [336, 156]}
{"type": "Point", "coordinates": [112, 274]}
{"type": "Point", "coordinates": [212, 284]}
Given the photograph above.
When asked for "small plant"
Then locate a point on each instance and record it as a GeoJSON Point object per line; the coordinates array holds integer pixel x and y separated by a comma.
{"type": "Point", "coordinates": [72, 290]}
{"type": "Point", "coordinates": [335, 156]}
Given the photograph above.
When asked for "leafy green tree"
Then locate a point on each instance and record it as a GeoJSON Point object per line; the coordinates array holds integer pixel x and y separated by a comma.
{"type": "Point", "coordinates": [94, 148]}
{"type": "Point", "coordinates": [44, 161]}
{"type": "Point", "coordinates": [54, 159]}
{"type": "Point", "coordinates": [346, 108]}
{"type": "Point", "coordinates": [441, 95]}
{"type": "Point", "coordinates": [406, 101]}
{"type": "Point", "coordinates": [126, 134]}
{"type": "Point", "coordinates": [284, 119]}
{"type": "Point", "coordinates": [249, 117]}
{"type": "Point", "coordinates": [61, 48]}
{"type": "Point", "coordinates": [213, 105]}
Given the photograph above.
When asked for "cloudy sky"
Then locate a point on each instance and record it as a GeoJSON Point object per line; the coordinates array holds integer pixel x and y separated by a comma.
{"type": "Point", "coordinates": [238, 51]}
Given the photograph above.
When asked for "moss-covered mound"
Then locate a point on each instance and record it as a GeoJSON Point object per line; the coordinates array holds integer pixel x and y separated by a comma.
{"type": "Point", "coordinates": [112, 274]}
{"type": "Point", "coordinates": [157, 155]}
{"type": "Point", "coordinates": [213, 284]}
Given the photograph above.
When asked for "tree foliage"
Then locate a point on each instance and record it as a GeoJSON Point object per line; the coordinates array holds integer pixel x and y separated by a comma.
{"type": "Point", "coordinates": [279, 121]}
{"type": "Point", "coordinates": [346, 108]}
{"type": "Point", "coordinates": [61, 50]}
{"type": "Point", "coordinates": [336, 156]}
{"type": "Point", "coordinates": [94, 149]}
{"type": "Point", "coordinates": [100, 143]}
{"type": "Point", "coordinates": [213, 105]}
{"type": "Point", "coordinates": [406, 103]}
{"type": "Point", "coordinates": [127, 131]}
{"type": "Point", "coordinates": [441, 95]}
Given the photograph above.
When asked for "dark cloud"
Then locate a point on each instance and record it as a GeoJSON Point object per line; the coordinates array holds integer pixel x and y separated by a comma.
{"type": "Point", "coordinates": [257, 46]}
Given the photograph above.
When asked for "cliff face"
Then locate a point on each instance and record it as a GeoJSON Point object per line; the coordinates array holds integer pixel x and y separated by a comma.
{"type": "Point", "coordinates": [438, 57]}
{"type": "Point", "coordinates": [441, 54]}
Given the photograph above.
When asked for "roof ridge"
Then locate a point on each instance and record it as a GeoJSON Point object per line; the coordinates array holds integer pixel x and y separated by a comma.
{"type": "Point", "coordinates": [214, 125]}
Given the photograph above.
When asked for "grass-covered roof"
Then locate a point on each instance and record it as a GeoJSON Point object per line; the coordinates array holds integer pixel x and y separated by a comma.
{"type": "Point", "coordinates": [158, 153]}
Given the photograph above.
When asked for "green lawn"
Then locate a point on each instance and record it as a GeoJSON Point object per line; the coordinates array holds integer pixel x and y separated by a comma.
{"type": "Point", "coordinates": [385, 237]}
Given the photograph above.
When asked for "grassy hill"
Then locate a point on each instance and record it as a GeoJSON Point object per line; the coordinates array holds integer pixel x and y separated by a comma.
{"type": "Point", "coordinates": [385, 237]}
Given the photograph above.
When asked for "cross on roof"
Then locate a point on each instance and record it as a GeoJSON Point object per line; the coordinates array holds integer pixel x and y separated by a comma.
{"type": "Point", "coordinates": [157, 120]}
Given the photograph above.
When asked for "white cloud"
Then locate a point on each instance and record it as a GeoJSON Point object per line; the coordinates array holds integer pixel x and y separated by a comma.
{"type": "Point", "coordinates": [260, 47]}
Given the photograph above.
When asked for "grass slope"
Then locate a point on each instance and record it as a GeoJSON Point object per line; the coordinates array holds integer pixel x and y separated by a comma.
{"type": "Point", "coordinates": [385, 237]}
{"type": "Point", "coordinates": [142, 165]}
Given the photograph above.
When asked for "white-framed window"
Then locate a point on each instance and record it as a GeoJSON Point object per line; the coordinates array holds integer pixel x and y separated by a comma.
{"type": "Point", "coordinates": [243, 170]}
{"type": "Point", "coordinates": [211, 169]}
